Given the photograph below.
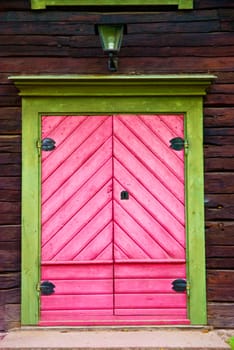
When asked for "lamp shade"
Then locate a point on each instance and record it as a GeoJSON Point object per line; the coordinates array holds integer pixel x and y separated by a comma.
{"type": "Point", "coordinates": [111, 36]}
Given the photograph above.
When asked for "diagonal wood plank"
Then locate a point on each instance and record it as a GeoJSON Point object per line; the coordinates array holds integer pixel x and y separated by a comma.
{"type": "Point", "coordinates": [59, 129]}
{"type": "Point", "coordinates": [153, 158]}
{"type": "Point", "coordinates": [155, 134]}
{"type": "Point", "coordinates": [80, 199]}
{"type": "Point", "coordinates": [95, 226]}
{"type": "Point", "coordinates": [87, 140]}
{"type": "Point", "coordinates": [148, 180]}
{"type": "Point", "coordinates": [79, 178]}
{"type": "Point", "coordinates": [154, 229]}
{"type": "Point", "coordinates": [156, 195]}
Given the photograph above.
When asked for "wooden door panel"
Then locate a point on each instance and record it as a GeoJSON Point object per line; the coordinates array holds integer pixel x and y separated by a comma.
{"type": "Point", "coordinates": [77, 218]}
{"type": "Point", "coordinates": [152, 203]}
{"type": "Point", "coordinates": [113, 260]}
{"type": "Point", "coordinates": [149, 226]}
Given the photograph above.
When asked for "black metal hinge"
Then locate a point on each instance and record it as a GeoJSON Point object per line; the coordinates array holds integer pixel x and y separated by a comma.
{"type": "Point", "coordinates": [47, 288]}
{"type": "Point", "coordinates": [48, 144]}
{"type": "Point", "coordinates": [177, 143]}
{"type": "Point", "coordinates": [179, 285]}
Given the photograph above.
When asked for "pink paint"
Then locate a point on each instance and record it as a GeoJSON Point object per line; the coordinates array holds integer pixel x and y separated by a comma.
{"type": "Point", "coordinates": [113, 261]}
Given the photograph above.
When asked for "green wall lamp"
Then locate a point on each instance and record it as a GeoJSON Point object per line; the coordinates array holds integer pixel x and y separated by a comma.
{"type": "Point", "coordinates": [111, 36]}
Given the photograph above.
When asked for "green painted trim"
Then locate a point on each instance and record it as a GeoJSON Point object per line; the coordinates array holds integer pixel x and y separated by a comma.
{"type": "Point", "coordinates": [195, 213]}
{"type": "Point", "coordinates": [42, 4]}
{"type": "Point", "coordinates": [30, 217]}
{"type": "Point", "coordinates": [84, 85]}
{"type": "Point", "coordinates": [119, 94]}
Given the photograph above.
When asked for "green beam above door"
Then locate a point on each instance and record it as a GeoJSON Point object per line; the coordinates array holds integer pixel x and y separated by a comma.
{"type": "Point", "coordinates": [42, 4]}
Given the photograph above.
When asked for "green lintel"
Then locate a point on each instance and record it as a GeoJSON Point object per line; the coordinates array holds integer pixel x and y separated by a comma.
{"type": "Point", "coordinates": [118, 85]}
{"type": "Point", "coordinates": [54, 95]}
{"type": "Point", "coordinates": [42, 4]}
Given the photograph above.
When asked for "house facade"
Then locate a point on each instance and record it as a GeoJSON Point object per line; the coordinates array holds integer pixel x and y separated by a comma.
{"type": "Point", "coordinates": [117, 209]}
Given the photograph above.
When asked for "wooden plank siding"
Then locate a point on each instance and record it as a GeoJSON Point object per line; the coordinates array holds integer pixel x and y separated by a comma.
{"type": "Point", "coordinates": [63, 41]}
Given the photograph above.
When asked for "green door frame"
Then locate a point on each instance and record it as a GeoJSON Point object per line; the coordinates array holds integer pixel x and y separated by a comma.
{"type": "Point", "coordinates": [74, 95]}
{"type": "Point", "coordinates": [42, 4]}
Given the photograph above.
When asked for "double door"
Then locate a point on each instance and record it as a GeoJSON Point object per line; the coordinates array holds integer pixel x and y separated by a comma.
{"type": "Point", "coordinates": [113, 220]}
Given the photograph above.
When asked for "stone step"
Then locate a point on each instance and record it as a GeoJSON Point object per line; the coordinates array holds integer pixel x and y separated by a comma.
{"type": "Point", "coordinates": [114, 339]}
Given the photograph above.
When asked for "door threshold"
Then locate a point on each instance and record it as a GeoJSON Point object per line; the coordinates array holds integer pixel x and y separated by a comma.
{"type": "Point", "coordinates": [64, 329]}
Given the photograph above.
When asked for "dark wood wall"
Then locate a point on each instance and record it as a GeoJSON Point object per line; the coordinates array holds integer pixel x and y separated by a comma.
{"type": "Point", "coordinates": [60, 41]}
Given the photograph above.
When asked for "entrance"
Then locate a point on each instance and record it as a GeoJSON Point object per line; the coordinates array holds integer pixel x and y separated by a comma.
{"type": "Point", "coordinates": [113, 220]}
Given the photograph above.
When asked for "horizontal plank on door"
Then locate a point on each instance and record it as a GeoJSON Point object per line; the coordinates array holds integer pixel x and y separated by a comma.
{"type": "Point", "coordinates": [77, 271]}
{"type": "Point", "coordinates": [153, 300]}
{"type": "Point", "coordinates": [145, 285]}
{"type": "Point", "coordinates": [73, 315]}
{"type": "Point", "coordinates": [114, 320]}
{"type": "Point", "coordinates": [89, 286]}
{"type": "Point", "coordinates": [117, 261]}
{"type": "Point", "coordinates": [77, 302]}
{"type": "Point", "coordinates": [173, 313]}
{"type": "Point", "coordinates": [153, 270]}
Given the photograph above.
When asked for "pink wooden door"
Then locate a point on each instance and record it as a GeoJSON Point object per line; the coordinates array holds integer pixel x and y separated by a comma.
{"type": "Point", "coordinates": [113, 256]}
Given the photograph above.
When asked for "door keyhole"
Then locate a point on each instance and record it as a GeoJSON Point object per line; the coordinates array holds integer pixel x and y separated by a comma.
{"type": "Point", "coordinates": [124, 195]}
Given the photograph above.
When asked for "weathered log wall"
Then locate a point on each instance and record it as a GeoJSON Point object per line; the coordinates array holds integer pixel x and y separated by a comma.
{"type": "Point", "coordinates": [60, 41]}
